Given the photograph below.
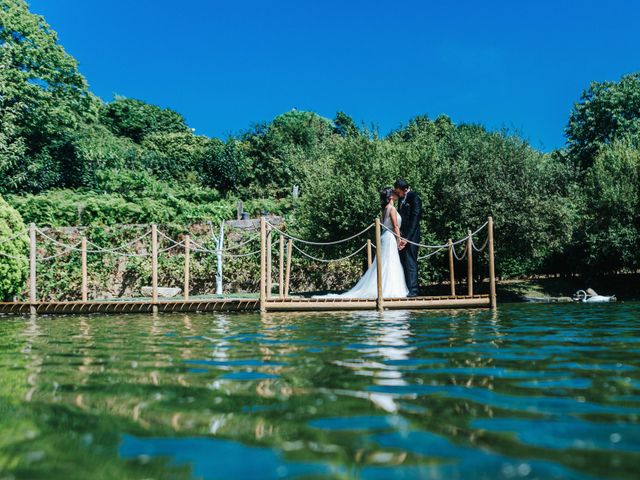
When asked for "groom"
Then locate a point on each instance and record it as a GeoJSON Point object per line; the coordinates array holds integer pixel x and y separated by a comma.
{"type": "Point", "coordinates": [410, 211]}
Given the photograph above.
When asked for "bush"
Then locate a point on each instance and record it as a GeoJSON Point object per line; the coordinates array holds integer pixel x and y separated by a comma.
{"type": "Point", "coordinates": [136, 119]}
{"type": "Point", "coordinates": [610, 227]}
{"type": "Point", "coordinates": [13, 271]}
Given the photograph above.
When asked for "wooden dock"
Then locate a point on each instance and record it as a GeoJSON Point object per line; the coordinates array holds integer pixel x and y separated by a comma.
{"type": "Point", "coordinates": [299, 304]}
{"type": "Point", "coordinates": [265, 301]}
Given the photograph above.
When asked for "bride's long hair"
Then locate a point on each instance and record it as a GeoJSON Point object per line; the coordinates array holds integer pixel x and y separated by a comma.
{"type": "Point", "coordinates": [386, 194]}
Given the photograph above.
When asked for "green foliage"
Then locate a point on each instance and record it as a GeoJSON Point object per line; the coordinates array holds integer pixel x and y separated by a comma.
{"type": "Point", "coordinates": [225, 166]}
{"type": "Point", "coordinates": [279, 150]}
{"type": "Point", "coordinates": [46, 94]}
{"type": "Point", "coordinates": [13, 252]}
{"type": "Point", "coordinates": [606, 111]}
{"type": "Point", "coordinates": [136, 119]}
{"type": "Point", "coordinates": [126, 197]}
{"type": "Point", "coordinates": [178, 154]}
{"type": "Point", "coordinates": [610, 225]}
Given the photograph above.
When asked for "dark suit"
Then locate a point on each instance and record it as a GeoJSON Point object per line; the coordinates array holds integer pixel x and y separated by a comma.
{"type": "Point", "coordinates": [410, 210]}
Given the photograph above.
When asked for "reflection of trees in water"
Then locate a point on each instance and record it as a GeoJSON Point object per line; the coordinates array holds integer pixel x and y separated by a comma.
{"type": "Point", "coordinates": [259, 380]}
{"type": "Point", "coordinates": [134, 374]}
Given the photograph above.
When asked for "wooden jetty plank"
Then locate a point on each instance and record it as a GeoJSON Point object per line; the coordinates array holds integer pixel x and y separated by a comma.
{"type": "Point", "coordinates": [242, 305]}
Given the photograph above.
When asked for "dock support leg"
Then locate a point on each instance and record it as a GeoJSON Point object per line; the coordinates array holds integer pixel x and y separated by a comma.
{"type": "Point", "coordinates": [154, 267]}
{"type": "Point", "coordinates": [469, 265]}
{"type": "Point", "coordinates": [492, 267]}
{"type": "Point", "coordinates": [263, 264]}
{"type": "Point", "coordinates": [287, 277]}
{"type": "Point", "coordinates": [32, 268]}
{"type": "Point", "coordinates": [452, 275]}
{"type": "Point", "coordinates": [380, 299]}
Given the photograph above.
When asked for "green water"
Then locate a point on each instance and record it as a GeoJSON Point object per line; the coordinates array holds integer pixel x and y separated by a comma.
{"type": "Point", "coordinates": [533, 391]}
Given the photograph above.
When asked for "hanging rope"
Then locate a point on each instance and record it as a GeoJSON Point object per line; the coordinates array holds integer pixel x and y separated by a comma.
{"type": "Point", "coordinates": [484, 245]}
{"type": "Point", "coordinates": [13, 256]}
{"type": "Point", "coordinates": [432, 253]}
{"type": "Point", "coordinates": [99, 249]}
{"type": "Point", "coordinates": [307, 242]}
{"type": "Point", "coordinates": [455, 254]}
{"type": "Point", "coordinates": [13, 237]}
{"type": "Point", "coordinates": [332, 260]}
{"type": "Point", "coordinates": [60, 254]}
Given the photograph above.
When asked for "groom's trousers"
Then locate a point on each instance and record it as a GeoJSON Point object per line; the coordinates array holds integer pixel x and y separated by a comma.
{"type": "Point", "coordinates": [409, 260]}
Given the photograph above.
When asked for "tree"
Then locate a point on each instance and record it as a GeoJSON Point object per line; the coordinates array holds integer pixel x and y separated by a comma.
{"type": "Point", "coordinates": [344, 125]}
{"type": "Point", "coordinates": [45, 94]}
{"type": "Point", "coordinates": [225, 166]}
{"type": "Point", "coordinates": [12, 146]}
{"type": "Point", "coordinates": [136, 119]}
{"type": "Point", "coordinates": [13, 252]}
{"type": "Point", "coordinates": [610, 230]}
{"type": "Point", "coordinates": [278, 150]}
{"type": "Point", "coordinates": [606, 111]}
{"type": "Point", "coordinates": [179, 153]}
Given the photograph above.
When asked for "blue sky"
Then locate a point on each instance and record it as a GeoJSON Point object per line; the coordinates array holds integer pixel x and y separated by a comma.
{"type": "Point", "coordinates": [227, 65]}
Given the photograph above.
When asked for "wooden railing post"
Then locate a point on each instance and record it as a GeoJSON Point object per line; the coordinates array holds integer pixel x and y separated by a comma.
{"type": "Point", "coordinates": [469, 265]}
{"type": "Point", "coordinates": [369, 259]}
{"type": "Point", "coordinates": [269, 262]}
{"type": "Point", "coordinates": [263, 264]}
{"type": "Point", "coordinates": [154, 267]}
{"type": "Point", "coordinates": [281, 268]}
{"type": "Point", "coordinates": [187, 258]}
{"type": "Point", "coordinates": [32, 268]}
{"type": "Point", "coordinates": [380, 299]}
{"type": "Point", "coordinates": [287, 277]}
{"type": "Point", "coordinates": [452, 275]}
{"type": "Point", "coordinates": [492, 268]}
{"type": "Point", "coordinates": [83, 255]}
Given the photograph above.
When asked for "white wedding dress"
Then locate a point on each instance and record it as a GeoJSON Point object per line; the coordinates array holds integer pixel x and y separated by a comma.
{"type": "Point", "coordinates": [393, 282]}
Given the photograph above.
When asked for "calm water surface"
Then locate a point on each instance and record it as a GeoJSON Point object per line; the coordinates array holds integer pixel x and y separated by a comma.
{"type": "Point", "coordinates": [533, 391]}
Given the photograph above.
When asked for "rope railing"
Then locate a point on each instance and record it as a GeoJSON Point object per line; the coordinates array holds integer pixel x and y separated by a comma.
{"type": "Point", "coordinates": [13, 257]}
{"type": "Point", "coordinates": [98, 248]}
{"type": "Point", "coordinates": [329, 260]}
{"type": "Point", "coordinates": [308, 242]}
{"type": "Point", "coordinates": [14, 236]}
{"type": "Point", "coordinates": [455, 254]}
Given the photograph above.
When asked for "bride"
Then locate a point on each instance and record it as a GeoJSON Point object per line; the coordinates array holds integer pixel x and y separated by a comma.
{"type": "Point", "coordinates": [393, 282]}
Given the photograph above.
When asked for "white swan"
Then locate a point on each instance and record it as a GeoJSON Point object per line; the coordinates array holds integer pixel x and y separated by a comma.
{"type": "Point", "coordinates": [590, 296]}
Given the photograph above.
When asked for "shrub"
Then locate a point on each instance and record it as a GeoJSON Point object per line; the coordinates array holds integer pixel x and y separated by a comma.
{"type": "Point", "coordinates": [14, 262]}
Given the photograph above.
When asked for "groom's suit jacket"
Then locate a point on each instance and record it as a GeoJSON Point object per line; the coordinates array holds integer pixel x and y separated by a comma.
{"type": "Point", "coordinates": [410, 210]}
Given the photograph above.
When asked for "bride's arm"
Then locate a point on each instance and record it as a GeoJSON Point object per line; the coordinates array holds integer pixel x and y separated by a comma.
{"type": "Point", "coordinates": [393, 214]}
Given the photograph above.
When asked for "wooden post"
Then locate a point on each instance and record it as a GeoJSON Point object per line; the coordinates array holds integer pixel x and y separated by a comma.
{"type": "Point", "coordinates": [287, 277]}
{"type": "Point", "coordinates": [154, 266]}
{"type": "Point", "coordinates": [492, 268]}
{"type": "Point", "coordinates": [187, 255]}
{"type": "Point", "coordinates": [263, 264]}
{"type": "Point", "coordinates": [469, 265]}
{"type": "Point", "coordinates": [32, 268]}
{"type": "Point", "coordinates": [452, 275]}
{"type": "Point", "coordinates": [281, 268]}
{"type": "Point", "coordinates": [380, 300]}
{"type": "Point", "coordinates": [369, 259]}
{"type": "Point", "coordinates": [83, 255]}
{"type": "Point", "coordinates": [269, 262]}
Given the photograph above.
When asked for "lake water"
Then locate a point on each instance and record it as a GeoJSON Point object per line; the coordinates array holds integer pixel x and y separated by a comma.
{"type": "Point", "coordinates": [532, 391]}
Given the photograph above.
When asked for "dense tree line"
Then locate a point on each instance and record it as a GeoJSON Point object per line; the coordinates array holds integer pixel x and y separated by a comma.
{"type": "Point", "coordinates": [67, 157]}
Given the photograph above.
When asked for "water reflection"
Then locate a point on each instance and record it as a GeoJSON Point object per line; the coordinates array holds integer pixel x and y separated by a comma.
{"type": "Point", "coordinates": [528, 392]}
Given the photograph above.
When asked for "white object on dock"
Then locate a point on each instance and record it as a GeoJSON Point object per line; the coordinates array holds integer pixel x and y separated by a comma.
{"type": "Point", "coordinates": [165, 292]}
